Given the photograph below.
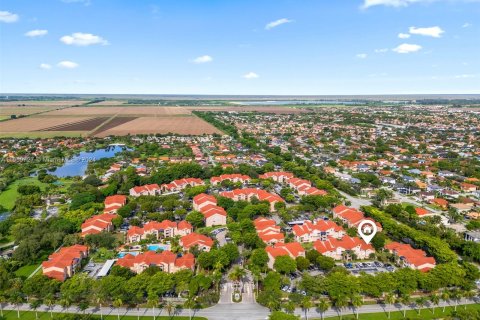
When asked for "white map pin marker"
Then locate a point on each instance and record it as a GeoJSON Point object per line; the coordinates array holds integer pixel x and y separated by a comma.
{"type": "Point", "coordinates": [367, 230]}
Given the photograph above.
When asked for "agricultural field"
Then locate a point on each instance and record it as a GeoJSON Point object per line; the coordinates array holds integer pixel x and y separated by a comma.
{"type": "Point", "coordinates": [144, 125]}
{"type": "Point", "coordinates": [268, 109]}
{"type": "Point", "coordinates": [123, 111]}
{"type": "Point", "coordinates": [36, 123]}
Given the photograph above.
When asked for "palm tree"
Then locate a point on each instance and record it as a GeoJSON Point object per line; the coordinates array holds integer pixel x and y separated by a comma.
{"type": "Point", "coordinates": [356, 301]}
{"type": "Point", "coordinates": [446, 298]}
{"type": "Point", "coordinates": [17, 299]}
{"type": "Point", "coordinates": [340, 303]}
{"type": "Point", "coordinates": [65, 302]}
{"type": "Point", "coordinates": [435, 300]}
{"type": "Point", "coordinates": [117, 303]}
{"type": "Point", "coordinates": [237, 274]}
{"type": "Point", "coordinates": [455, 294]}
{"type": "Point", "coordinates": [170, 307]}
{"type": "Point", "coordinates": [405, 299]}
{"type": "Point", "coordinates": [420, 302]}
{"type": "Point", "coordinates": [190, 304]}
{"type": "Point", "coordinates": [289, 307]}
{"type": "Point", "coordinates": [152, 302]}
{"type": "Point", "coordinates": [34, 305]}
{"type": "Point", "coordinates": [3, 298]}
{"type": "Point", "coordinates": [389, 299]}
{"type": "Point", "coordinates": [468, 295]}
{"type": "Point", "coordinates": [306, 304]}
{"type": "Point", "coordinates": [50, 301]}
{"type": "Point", "coordinates": [322, 306]}
{"type": "Point", "coordinates": [99, 299]}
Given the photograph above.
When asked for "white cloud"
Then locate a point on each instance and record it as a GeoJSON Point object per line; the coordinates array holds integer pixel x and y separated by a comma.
{"type": "Point", "coordinates": [83, 39]}
{"type": "Point", "coordinates": [202, 59]}
{"type": "Point", "coordinates": [407, 48]}
{"type": "Point", "coordinates": [8, 17]}
{"type": "Point", "coordinates": [277, 23]}
{"type": "Point", "coordinates": [361, 55]}
{"type": "Point", "coordinates": [435, 32]}
{"type": "Point", "coordinates": [466, 25]}
{"type": "Point", "coordinates": [68, 64]}
{"type": "Point", "coordinates": [45, 66]}
{"type": "Point", "coordinates": [403, 35]}
{"type": "Point", "coordinates": [251, 75]}
{"type": "Point", "coordinates": [381, 50]}
{"type": "Point", "coordinates": [36, 33]}
{"type": "Point", "coordinates": [465, 76]}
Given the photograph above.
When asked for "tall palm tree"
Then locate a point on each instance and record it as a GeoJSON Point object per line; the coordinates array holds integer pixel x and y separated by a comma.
{"type": "Point", "coordinates": [420, 302]}
{"type": "Point", "coordinates": [289, 307]}
{"type": "Point", "coordinates": [152, 302]}
{"type": "Point", "coordinates": [3, 298]}
{"type": "Point", "coordinates": [117, 303]}
{"type": "Point", "coordinates": [405, 299]}
{"type": "Point", "coordinates": [237, 274]}
{"type": "Point", "coordinates": [190, 304]}
{"type": "Point", "coordinates": [340, 303]}
{"type": "Point", "coordinates": [34, 305]}
{"type": "Point", "coordinates": [356, 301]}
{"type": "Point", "coordinates": [435, 300]}
{"type": "Point", "coordinates": [306, 304]}
{"type": "Point", "coordinates": [170, 307]}
{"type": "Point", "coordinates": [65, 302]}
{"type": "Point", "coordinates": [455, 294]}
{"type": "Point", "coordinates": [390, 300]}
{"type": "Point", "coordinates": [50, 301]}
{"type": "Point", "coordinates": [445, 297]}
{"type": "Point", "coordinates": [468, 295]}
{"type": "Point", "coordinates": [322, 306]}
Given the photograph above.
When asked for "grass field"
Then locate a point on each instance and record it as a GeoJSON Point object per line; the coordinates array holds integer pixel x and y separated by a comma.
{"type": "Point", "coordinates": [28, 315]}
{"type": "Point", "coordinates": [425, 314]}
{"type": "Point", "coordinates": [26, 271]}
{"type": "Point", "coordinates": [8, 197]}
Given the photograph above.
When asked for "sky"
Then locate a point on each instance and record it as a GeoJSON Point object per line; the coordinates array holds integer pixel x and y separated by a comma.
{"type": "Point", "coordinates": [254, 47]}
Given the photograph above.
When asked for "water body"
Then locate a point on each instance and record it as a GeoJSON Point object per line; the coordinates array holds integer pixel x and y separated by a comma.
{"type": "Point", "coordinates": [77, 165]}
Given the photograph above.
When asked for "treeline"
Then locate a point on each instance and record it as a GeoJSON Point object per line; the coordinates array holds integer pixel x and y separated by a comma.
{"type": "Point", "coordinates": [210, 118]}
{"type": "Point", "coordinates": [433, 245]}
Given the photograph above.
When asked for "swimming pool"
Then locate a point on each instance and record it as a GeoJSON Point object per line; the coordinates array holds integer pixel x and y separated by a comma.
{"type": "Point", "coordinates": [158, 246]}
{"type": "Point", "coordinates": [123, 254]}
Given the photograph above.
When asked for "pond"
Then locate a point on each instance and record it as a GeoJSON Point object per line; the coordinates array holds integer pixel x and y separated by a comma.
{"type": "Point", "coordinates": [77, 165]}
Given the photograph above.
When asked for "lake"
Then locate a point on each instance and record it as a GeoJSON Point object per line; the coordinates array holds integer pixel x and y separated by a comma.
{"type": "Point", "coordinates": [77, 165]}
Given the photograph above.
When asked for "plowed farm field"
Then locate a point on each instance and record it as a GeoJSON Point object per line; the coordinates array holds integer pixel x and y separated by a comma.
{"type": "Point", "coordinates": [35, 123]}
{"type": "Point", "coordinates": [122, 111]}
{"type": "Point", "coordinates": [147, 125]}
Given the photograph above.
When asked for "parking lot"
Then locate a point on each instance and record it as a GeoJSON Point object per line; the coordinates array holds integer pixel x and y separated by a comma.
{"type": "Point", "coordinates": [367, 267]}
{"type": "Point", "coordinates": [92, 269]}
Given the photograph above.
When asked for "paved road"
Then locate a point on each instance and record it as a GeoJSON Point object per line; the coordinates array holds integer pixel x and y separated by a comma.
{"type": "Point", "coordinates": [356, 202]}
{"type": "Point", "coordinates": [231, 311]}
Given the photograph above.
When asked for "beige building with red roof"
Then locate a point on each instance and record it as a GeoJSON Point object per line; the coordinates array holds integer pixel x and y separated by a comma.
{"type": "Point", "coordinates": [207, 205]}
{"type": "Point", "coordinates": [291, 249]}
{"type": "Point", "coordinates": [352, 217]}
{"type": "Point", "coordinates": [167, 261]}
{"type": "Point", "coordinates": [113, 203]}
{"type": "Point", "coordinates": [63, 264]}
{"type": "Point", "coordinates": [236, 177]}
{"type": "Point", "coordinates": [339, 249]}
{"type": "Point", "coordinates": [247, 194]}
{"type": "Point", "coordinates": [317, 230]}
{"type": "Point", "coordinates": [203, 242]}
{"type": "Point", "coordinates": [159, 230]}
{"type": "Point", "coordinates": [98, 223]}
{"type": "Point", "coordinates": [268, 231]}
{"type": "Point", "coordinates": [277, 176]}
{"type": "Point", "coordinates": [410, 257]}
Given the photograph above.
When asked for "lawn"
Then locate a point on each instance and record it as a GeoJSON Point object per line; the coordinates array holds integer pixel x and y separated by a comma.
{"type": "Point", "coordinates": [25, 271]}
{"type": "Point", "coordinates": [425, 314]}
{"type": "Point", "coordinates": [29, 315]}
{"type": "Point", "coordinates": [8, 197]}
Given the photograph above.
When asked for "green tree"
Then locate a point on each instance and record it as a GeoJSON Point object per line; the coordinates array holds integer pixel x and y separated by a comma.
{"type": "Point", "coordinates": [322, 306]}
{"type": "Point", "coordinates": [284, 264]}
{"type": "Point", "coordinates": [306, 305]}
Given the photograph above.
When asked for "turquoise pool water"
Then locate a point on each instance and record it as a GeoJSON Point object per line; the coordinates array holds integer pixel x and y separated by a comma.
{"type": "Point", "coordinates": [155, 247]}
{"type": "Point", "coordinates": [123, 254]}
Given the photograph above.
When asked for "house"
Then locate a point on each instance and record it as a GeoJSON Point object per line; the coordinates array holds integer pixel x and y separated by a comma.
{"type": "Point", "coordinates": [113, 203]}
{"type": "Point", "coordinates": [167, 261]}
{"type": "Point", "coordinates": [145, 190]}
{"type": "Point", "coordinates": [410, 257]}
{"type": "Point", "coordinates": [468, 187]}
{"type": "Point", "coordinates": [207, 205]}
{"type": "Point", "coordinates": [291, 249]}
{"type": "Point", "coordinates": [352, 217]}
{"type": "Point", "coordinates": [159, 230]}
{"type": "Point", "coordinates": [230, 177]}
{"type": "Point", "coordinates": [442, 203]}
{"type": "Point", "coordinates": [204, 243]}
{"type": "Point", "coordinates": [63, 264]}
{"type": "Point", "coordinates": [247, 194]}
{"type": "Point", "coordinates": [268, 231]}
{"type": "Point", "coordinates": [472, 236]}
{"type": "Point", "coordinates": [277, 176]}
{"type": "Point", "coordinates": [344, 248]}
{"type": "Point", "coordinates": [460, 207]}
{"type": "Point", "coordinates": [98, 223]}
{"type": "Point", "coordinates": [317, 230]}
{"type": "Point", "coordinates": [421, 211]}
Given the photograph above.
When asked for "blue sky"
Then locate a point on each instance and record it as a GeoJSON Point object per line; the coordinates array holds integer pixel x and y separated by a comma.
{"type": "Point", "coordinates": [240, 46]}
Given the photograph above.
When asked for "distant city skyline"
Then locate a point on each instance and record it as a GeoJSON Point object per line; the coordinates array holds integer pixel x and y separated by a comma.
{"type": "Point", "coordinates": [271, 47]}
